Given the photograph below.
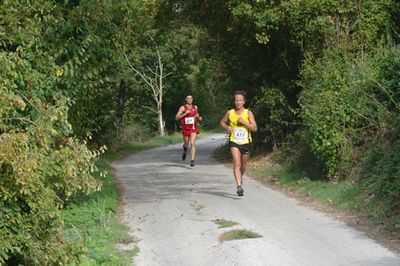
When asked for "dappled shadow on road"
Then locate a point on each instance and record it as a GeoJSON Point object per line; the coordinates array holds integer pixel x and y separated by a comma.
{"type": "Point", "coordinates": [166, 157]}
{"type": "Point", "coordinates": [151, 184]}
{"type": "Point", "coordinates": [157, 174]}
{"type": "Point", "coordinates": [389, 261]}
{"type": "Point", "coordinates": [219, 194]}
{"type": "Point", "coordinates": [176, 165]}
{"type": "Point", "coordinates": [173, 154]}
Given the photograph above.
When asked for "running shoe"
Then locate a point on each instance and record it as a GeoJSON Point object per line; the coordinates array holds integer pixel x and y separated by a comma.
{"type": "Point", "coordinates": [239, 191]}
{"type": "Point", "coordinates": [192, 163]}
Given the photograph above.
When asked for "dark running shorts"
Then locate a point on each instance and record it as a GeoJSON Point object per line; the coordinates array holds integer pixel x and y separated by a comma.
{"type": "Point", "coordinates": [243, 148]}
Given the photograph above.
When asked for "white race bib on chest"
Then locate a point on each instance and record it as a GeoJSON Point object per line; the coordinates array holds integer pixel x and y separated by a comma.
{"type": "Point", "coordinates": [240, 135]}
{"type": "Point", "coordinates": [189, 120]}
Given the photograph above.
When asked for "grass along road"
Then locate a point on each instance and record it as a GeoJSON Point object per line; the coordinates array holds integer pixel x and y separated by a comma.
{"type": "Point", "coordinates": [92, 223]}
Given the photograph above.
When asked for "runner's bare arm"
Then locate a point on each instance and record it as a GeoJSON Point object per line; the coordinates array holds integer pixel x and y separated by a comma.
{"type": "Point", "coordinates": [197, 114]}
{"type": "Point", "coordinates": [252, 125]}
{"type": "Point", "coordinates": [181, 113]}
{"type": "Point", "coordinates": [178, 114]}
{"type": "Point", "coordinates": [223, 121]}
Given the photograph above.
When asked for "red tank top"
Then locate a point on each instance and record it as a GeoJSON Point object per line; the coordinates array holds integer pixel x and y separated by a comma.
{"type": "Point", "coordinates": [189, 121]}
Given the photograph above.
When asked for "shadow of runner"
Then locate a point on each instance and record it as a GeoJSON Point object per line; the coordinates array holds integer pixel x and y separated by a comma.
{"type": "Point", "coordinates": [181, 165]}
{"type": "Point", "coordinates": [220, 194]}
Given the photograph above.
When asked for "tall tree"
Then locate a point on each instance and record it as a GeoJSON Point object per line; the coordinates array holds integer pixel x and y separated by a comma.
{"type": "Point", "coordinates": [155, 82]}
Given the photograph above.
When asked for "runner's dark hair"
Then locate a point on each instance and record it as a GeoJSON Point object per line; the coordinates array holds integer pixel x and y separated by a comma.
{"type": "Point", "coordinates": [239, 93]}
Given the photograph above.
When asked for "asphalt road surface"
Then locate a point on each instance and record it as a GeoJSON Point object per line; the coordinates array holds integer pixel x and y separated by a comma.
{"type": "Point", "coordinates": [170, 208]}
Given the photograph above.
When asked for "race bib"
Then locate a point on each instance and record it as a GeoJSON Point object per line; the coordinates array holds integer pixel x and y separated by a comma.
{"type": "Point", "coordinates": [189, 120]}
{"type": "Point", "coordinates": [240, 135]}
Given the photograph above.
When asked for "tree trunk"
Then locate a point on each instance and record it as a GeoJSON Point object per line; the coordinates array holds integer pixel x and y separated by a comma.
{"type": "Point", "coordinates": [161, 124]}
{"type": "Point", "coordinates": [156, 86]}
{"type": "Point", "coordinates": [160, 96]}
{"type": "Point", "coordinates": [120, 103]}
{"type": "Point", "coordinates": [213, 99]}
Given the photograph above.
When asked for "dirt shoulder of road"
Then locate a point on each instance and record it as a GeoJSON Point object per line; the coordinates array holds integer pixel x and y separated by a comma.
{"type": "Point", "coordinates": [377, 232]}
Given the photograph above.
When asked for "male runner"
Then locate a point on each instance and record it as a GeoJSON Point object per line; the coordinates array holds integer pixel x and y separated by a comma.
{"type": "Point", "coordinates": [189, 117]}
{"type": "Point", "coordinates": [241, 123]}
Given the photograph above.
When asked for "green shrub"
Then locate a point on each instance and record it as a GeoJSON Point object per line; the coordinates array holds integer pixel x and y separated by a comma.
{"type": "Point", "coordinates": [343, 108]}
{"type": "Point", "coordinates": [324, 108]}
{"type": "Point", "coordinates": [41, 166]}
{"type": "Point", "coordinates": [381, 162]}
{"type": "Point", "coordinates": [382, 173]}
{"type": "Point", "coordinates": [274, 125]}
{"type": "Point", "coordinates": [296, 155]}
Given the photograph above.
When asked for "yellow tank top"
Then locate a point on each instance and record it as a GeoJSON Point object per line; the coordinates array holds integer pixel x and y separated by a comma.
{"type": "Point", "coordinates": [240, 134]}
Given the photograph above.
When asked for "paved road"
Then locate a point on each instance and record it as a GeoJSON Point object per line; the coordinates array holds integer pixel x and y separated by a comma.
{"type": "Point", "coordinates": [170, 208]}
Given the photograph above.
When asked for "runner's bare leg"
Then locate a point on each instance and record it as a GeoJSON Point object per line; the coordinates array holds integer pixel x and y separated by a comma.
{"type": "Point", "coordinates": [186, 141]}
{"type": "Point", "coordinates": [236, 165]}
{"type": "Point", "coordinates": [193, 144]}
{"type": "Point", "coordinates": [244, 158]}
